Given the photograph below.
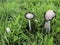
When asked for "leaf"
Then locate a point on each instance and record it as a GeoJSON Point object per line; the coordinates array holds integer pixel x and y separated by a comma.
{"type": "Point", "coordinates": [34, 43]}
{"type": "Point", "coordinates": [50, 42]}
{"type": "Point", "coordinates": [24, 43]}
{"type": "Point", "coordinates": [15, 38]}
{"type": "Point", "coordinates": [24, 36]}
{"type": "Point", "coordinates": [58, 29]}
{"type": "Point", "coordinates": [45, 40]}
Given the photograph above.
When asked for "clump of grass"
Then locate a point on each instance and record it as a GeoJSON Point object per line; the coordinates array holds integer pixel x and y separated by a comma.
{"type": "Point", "coordinates": [12, 15]}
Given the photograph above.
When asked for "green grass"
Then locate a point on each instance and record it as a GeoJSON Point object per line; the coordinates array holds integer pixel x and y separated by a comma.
{"type": "Point", "coordinates": [12, 15]}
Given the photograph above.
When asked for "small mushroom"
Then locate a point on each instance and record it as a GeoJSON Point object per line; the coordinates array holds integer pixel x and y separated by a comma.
{"type": "Point", "coordinates": [29, 16]}
{"type": "Point", "coordinates": [47, 26]}
{"type": "Point", "coordinates": [7, 29]}
{"type": "Point", "coordinates": [48, 16]}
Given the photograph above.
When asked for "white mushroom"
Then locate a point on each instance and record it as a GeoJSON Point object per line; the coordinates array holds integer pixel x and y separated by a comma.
{"type": "Point", "coordinates": [49, 15]}
{"type": "Point", "coordinates": [7, 29]}
{"type": "Point", "coordinates": [46, 26]}
{"type": "Point", "coordinates": [29, 15]}
{"type": "Point", "coordinates": [36, 20]}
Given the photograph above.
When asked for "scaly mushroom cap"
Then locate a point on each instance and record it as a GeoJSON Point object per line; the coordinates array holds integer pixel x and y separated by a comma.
{"type": "Point", "coordinates": [29, 15]}
{"type": "Point", "coordinates": [49, 15]}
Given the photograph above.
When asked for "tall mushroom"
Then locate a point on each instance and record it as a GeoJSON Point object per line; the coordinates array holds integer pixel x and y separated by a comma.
{"type": "Point", "coordinates": [48, 16]}
{"type": "Point", "coordinates": [29, 16]}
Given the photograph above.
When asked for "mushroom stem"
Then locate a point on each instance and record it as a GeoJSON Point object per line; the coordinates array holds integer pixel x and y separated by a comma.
{"type": "Point", "coordinates": [49, 25]}
{"type": "Point", "coordinates": [29, 24]}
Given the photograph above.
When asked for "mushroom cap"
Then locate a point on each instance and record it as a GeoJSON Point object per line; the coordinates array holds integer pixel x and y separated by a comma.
{"type": "Point", "coordinates": [7, 29]}
{"type": "Point", "coordinates": [29, 15]}
{"type": "Point", "coordinates": [36, 20]}
{"type": "Point", "coordinates": [46, 25]}
{"type": "Point", "coordinates": [49, 15]}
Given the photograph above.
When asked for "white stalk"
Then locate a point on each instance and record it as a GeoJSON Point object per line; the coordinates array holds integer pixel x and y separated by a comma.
{"type": "Point", "coordinates": [49, 25]}
{"type": "Point", "coordinates": [29, 24]}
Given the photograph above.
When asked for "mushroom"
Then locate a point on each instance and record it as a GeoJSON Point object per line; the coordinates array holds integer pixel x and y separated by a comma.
{"type": "Point", "coordinates": [29, 16]}
{"type": "Point", "coordinates": [7, 29]}
{"type": "Point", "coordinates": [48, 16]}
{"type": "Point", "coordinates": [47, 26]}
